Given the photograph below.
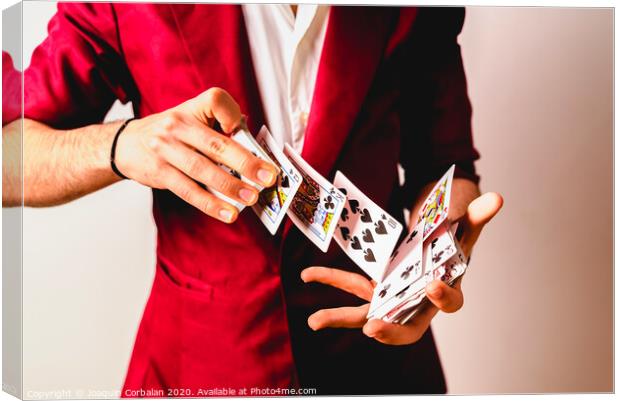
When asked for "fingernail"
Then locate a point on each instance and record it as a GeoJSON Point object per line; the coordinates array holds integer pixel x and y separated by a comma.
{"type": "Point", "coordinates": [265, 176]}
{"type": "Point", "coordinates": [226, 214]}
{"type": "Point", "coordinates": [247, 195]}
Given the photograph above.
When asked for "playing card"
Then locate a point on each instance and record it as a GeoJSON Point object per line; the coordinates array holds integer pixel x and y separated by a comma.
{"type": "Point", "coordinates": [245, 139]}
{"type": "Point", "coordinates": [413, 238]}
{"type": "Point", "coordinates": [435, 208]}
{"type": "Point", "coordinates": [394, 303]}
{"type": "Point", "coordinates": [365, 232]}
{"type": "Point", "coordinates": [273, 202]}
{"type": "Point", "coordinates": [449, 272]}
{"type": "Point", "coordinates": [410, 269]}
{"type": "Point", "coordinates": [317, 205]}
{"type": "Point", "coordinates": [442, 245]}
{"type": "Point", "coordinates": [402, 313]}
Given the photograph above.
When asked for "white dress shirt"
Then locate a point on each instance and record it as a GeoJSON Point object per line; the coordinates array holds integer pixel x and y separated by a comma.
{"type": "Point", "coordinates": [286, 51]}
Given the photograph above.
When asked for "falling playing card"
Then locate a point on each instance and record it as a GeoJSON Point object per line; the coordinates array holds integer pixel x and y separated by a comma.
{"type": "Point", "coordinates": [435, 208]}
{"type": "Point", "coordinates": [365, 232]}
{"type": "Point", "coordinates": [273, 202]}
{"type": "Point", "coordinates": [317, 205]}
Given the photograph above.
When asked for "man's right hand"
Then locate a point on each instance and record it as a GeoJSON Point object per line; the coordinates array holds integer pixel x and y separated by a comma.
{"type": "Point", "coordinates": [178, 148]}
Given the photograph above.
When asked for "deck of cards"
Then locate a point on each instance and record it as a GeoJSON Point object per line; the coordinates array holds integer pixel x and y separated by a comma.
{"type": "Point", "coordinates": [365, 232]}
{"type": "Point", "coordinates": [430, 251]}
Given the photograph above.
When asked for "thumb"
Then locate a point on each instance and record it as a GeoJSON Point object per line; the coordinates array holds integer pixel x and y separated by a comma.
{"type": "Point", "coordinates": [479, 212]}
{"type": "Point", "coordinates": [215, 104]}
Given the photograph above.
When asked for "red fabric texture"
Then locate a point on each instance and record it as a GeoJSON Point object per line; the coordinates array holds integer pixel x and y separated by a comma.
{"type": "Point", "coordinates": [227, 307]}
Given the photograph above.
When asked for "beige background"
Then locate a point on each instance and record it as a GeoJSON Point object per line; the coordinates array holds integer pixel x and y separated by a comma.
{"type": "Point", "coordinates": [538, 309]}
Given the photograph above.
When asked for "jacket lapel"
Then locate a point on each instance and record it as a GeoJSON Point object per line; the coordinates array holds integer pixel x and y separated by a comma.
{"type": "Point", "coordinates": [216, 42]}
{"type": "Point", "coordinates": [354, 43]}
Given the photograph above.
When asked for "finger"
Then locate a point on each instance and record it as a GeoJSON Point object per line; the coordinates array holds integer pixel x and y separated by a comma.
{"type": "Point", "coordinates": [344, 317]}
{"type": "Point", "coordinates": [447, 299]}
{"type": "Point", "coordinates": [401, 334]}
{"type": "Point", "coordinates": [479, 212]}
{"type": "Point", "coordinates": [216, 103]}
{"type": "Point", "coordinates": [352, 283]}
{"type": "Point", "coordinates": [200, 168]}
{"type": "Point", "coordinates": [223, 149]}
{"type": "Point", "coordinates": [190, 192]}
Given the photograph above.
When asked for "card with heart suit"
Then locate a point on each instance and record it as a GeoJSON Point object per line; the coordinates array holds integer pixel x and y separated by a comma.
{"type": "Point", "coordinates": [273, 202]}
{"type": "Point", "coordinates": [317, 205]}
{"type": "Point", "coordinates": [245, 139]}
{"type": "Point", "coordinates": [365, 232]}
{"type": "Point", "coordinates": [435, 208]}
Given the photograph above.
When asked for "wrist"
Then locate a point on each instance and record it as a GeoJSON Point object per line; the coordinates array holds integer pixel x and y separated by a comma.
{"type": "Point", "coordinates": [113, 149]}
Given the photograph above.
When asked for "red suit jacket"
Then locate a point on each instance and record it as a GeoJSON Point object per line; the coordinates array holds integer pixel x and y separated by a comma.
{"type": "Point", "coordinates": [227, 306]}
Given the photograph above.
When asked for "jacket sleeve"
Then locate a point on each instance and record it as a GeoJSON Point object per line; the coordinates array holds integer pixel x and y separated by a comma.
{"type": "Point", "coordinates": [75, 74]}
{"type": "Point", "coordinates": [435, 111]}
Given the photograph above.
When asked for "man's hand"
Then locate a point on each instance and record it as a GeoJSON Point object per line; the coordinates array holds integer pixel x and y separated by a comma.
{"type": "Point", "coordinates": [443, 297]}
{"type": "Point", "coordinates": [177, 149]}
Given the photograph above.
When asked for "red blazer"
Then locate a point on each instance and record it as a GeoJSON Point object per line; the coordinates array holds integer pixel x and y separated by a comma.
{"type": "Point", "coordinates": [227, 307]}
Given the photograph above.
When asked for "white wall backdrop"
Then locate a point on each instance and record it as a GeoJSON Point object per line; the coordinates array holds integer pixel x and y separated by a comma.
{"type": "Point", "coordinates": [538, 309]}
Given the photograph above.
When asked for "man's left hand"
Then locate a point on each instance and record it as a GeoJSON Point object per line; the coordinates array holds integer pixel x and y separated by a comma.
{"type": "Point", "coordinates": [443, 297]}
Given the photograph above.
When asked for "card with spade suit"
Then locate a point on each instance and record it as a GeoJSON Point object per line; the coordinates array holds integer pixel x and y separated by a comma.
{"type": "Point", "coordinates": [365, 232]}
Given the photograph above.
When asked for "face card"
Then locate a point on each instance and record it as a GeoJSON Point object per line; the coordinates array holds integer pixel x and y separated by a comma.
{"type": "Point", "coordinates": [317, 205]}
{"type": "Point", "coordinates": [434, 210]}
{"type": "Point", "coordinates": [273, 202]}
{"type": "Point", "coordinates": [365, 232]}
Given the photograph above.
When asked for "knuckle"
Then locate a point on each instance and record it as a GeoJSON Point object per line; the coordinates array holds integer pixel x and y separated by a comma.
{"type": "Point", "coordinates": [214, 94]}
{"type": "Point", "coordinates": [246, 165]}
{"type": "Point", "coordinates": [185, 193]}
{"type": "Point", "coordinates": [194, 167]}
{"type": "Point", "coordinates": [169, 122]}
{"type": "Point", "coordinates": [205, 204]}
{"type": "Point", "coordinates": [224, 183]}
{"type": "Point", "coordinates": [217, 145]}
{"type": "Point", "coordinates": [155, 143]}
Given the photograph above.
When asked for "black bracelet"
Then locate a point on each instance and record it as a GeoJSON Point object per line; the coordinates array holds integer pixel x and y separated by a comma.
{"type": "Point", "coordinates": [113, 151]}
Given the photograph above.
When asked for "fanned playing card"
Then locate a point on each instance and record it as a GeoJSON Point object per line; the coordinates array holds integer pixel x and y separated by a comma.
{"type": "Point", "coordinates": [435, 208]}
{"type": "Point", "coordinates": [365, 232]}
{"type": "Point", "coordinates": [442, 246]}
{"type": "Point", "coordinates": [317, 205]}
{"type": "Point", "coordinates": [409, 269]}
{"type": "Point", "coordinates": [273, 202]}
